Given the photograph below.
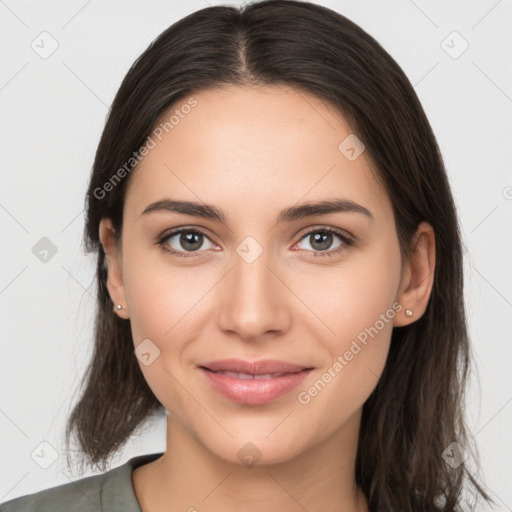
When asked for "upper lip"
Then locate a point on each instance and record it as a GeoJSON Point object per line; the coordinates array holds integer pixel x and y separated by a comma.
{"type": "Point", "coordinates": [261, 367]}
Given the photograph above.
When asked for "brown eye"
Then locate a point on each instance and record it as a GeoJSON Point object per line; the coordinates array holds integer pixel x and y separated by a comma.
{"type": "Point", "coordinates": [183, 241]}
{"type": "Point", "coordinates": [321, 241]}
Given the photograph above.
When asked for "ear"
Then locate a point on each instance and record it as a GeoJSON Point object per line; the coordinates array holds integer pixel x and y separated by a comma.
{"type": "Point", "coordinates": [417, 276]}
{"type": "Point", "coordinates": [113, 254]}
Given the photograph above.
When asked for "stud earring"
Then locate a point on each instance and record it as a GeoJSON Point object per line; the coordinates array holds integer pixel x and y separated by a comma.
{"type": "Point", "coordinates": [408, 312]}
{"type": "Point", "coordinates": [118, 307]}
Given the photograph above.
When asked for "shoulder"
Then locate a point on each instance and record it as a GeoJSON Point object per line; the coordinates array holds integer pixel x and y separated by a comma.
{"type": "Point", "coordinates": [82, 495]}
{"type": "Point", "coordinates": [107, 492]}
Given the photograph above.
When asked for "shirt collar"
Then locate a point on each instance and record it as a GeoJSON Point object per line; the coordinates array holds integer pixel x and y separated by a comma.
{"type": "Point", "coordinates": [117, 491]}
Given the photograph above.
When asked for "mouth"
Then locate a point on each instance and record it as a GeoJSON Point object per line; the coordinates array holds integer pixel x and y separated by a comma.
{"type": "Point", "coordinates": [253, 383]}
{"type": "Point", "coordinates": [261, 367]}
{"type": "Point", "coordinates": [249, 376]}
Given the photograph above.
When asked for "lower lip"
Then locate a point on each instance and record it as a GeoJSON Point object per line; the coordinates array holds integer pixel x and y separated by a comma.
{"type": "Point", "coordinates": [254, 391]}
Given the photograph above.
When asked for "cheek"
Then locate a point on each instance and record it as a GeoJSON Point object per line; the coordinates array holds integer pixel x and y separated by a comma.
{"type": "Point", "coordinates": [159, 314]}
{"type": "Point", "coordinates": [354, 360]}
{"type": "Point", "coordinates": [151, 311]}
{"type": "Point", "coordinates": [164, 304]}
{"type": "Point", "coordinates": [351, 296]}
{"type": "Point", "coordinates": [161, 296]}
{"type": "Point", "coordinates": [356, 307]}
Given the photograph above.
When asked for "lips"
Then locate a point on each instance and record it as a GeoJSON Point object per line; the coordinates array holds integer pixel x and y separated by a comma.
{"type": "Point", "coordinates": [259, 368]}
{"type": "Point", "coordinates": [248, 376]}
{"type": "Point", "coordinates": [253, 383]}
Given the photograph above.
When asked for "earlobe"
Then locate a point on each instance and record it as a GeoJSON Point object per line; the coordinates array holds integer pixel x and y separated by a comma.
{"type": "Point", "coordinates": [417, 276]}
{"type": "Point", "coordinates": [114, 283]}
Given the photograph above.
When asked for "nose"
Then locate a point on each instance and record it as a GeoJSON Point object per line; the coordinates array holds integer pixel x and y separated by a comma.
{"type": "Point", "coordinates": [254, 300]}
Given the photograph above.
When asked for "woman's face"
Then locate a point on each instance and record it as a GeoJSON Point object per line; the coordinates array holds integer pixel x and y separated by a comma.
{"type": "Point", "coordinates": [258, 285]}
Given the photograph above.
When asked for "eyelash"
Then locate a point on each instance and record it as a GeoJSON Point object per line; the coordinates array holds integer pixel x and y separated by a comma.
{"type": "Point", "coordinates": [347, 242]}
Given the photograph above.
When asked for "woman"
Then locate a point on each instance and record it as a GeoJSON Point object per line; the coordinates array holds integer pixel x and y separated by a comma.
{"type": "Point", "coordinates": [279, 270]}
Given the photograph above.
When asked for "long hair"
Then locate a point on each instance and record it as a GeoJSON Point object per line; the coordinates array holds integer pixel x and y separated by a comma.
{"type": "Point", "coordinates": [415, 413]}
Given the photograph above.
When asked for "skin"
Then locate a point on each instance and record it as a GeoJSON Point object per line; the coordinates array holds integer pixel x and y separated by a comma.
{"type": "Point", "coordinates": [252, 151]}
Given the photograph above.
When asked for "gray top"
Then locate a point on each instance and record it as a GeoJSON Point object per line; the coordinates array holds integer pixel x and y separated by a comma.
{"type": "Point", "coordinates": [111, 491]}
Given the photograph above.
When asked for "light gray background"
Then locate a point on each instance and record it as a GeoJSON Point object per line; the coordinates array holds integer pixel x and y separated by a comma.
{"type": "Point", "coordinates": [52, 114]}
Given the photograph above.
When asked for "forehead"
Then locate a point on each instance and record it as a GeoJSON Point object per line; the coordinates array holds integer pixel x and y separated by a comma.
{"type": "Point", "coordinates": [252, 148]}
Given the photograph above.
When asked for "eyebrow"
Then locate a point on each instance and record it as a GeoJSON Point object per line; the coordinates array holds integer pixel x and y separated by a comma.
{"type": "Point", "coordinates": [291, 214]}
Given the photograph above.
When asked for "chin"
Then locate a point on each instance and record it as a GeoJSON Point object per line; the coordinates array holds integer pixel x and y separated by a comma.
{"type": "Point", "coordinates": [256, 450]}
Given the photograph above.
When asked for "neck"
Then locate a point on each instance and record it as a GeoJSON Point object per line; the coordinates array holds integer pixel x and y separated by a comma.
{"type": "Point", "coordinates": [192, 478]}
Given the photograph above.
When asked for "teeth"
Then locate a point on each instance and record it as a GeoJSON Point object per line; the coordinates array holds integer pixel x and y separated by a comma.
{"type": "Point", "coordinates": [247, 376]}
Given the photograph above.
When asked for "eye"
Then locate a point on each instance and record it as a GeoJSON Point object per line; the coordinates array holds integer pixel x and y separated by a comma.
{"type": "Point", "coordinates": [183, 241]}
{"type": "Point", "coordinates": [321, 240]}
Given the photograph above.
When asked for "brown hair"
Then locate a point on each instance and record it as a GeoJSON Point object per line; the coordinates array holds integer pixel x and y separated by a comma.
{"type": "Point", "coordinates": [416, 409]}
